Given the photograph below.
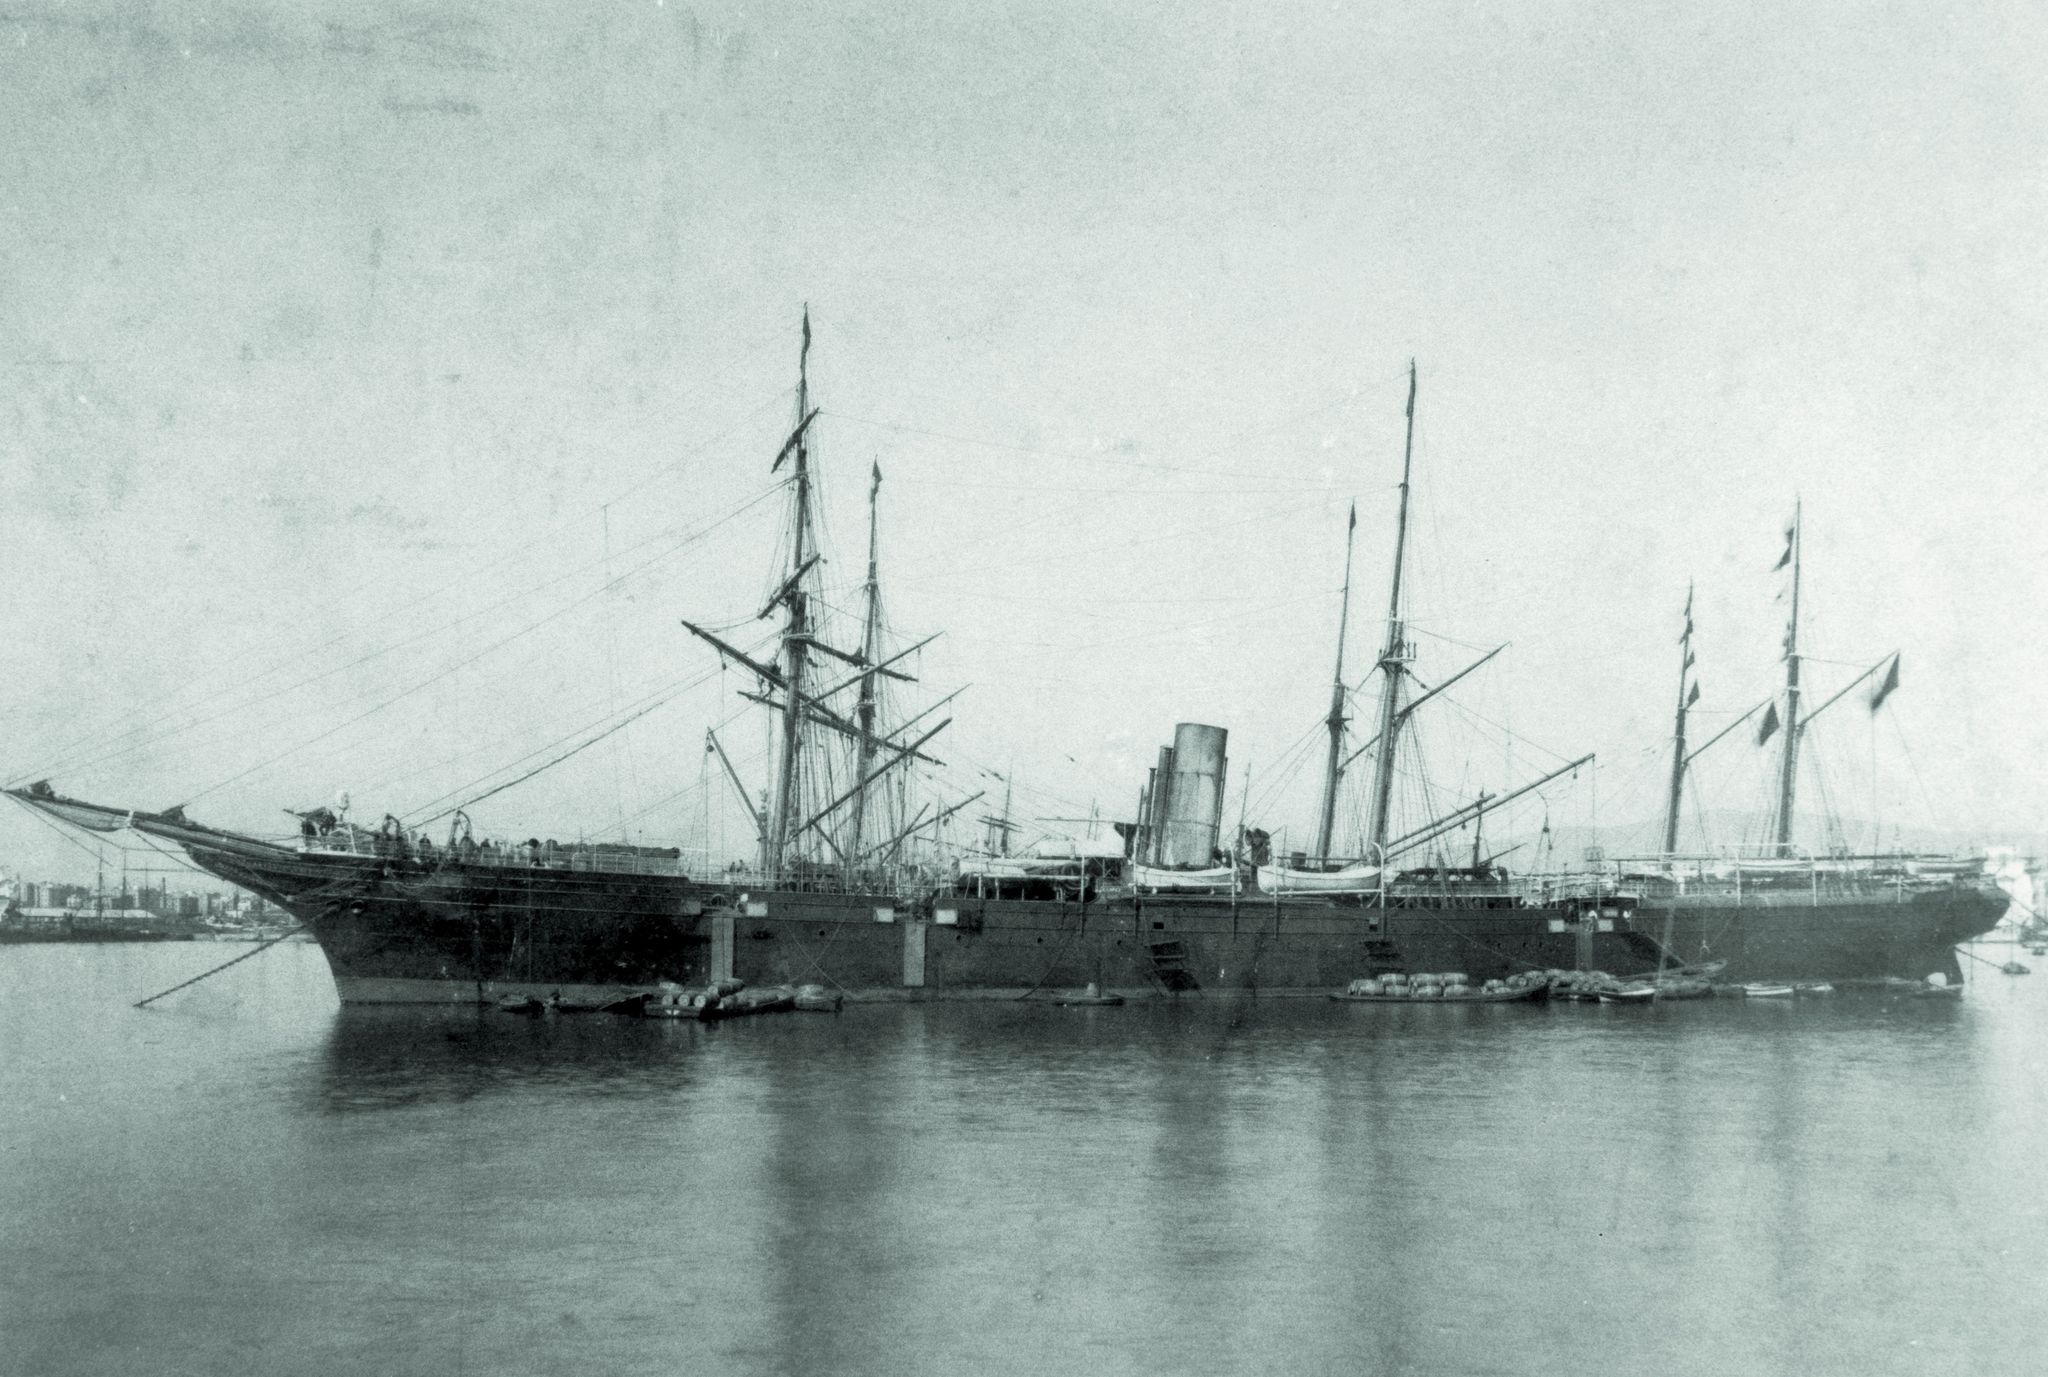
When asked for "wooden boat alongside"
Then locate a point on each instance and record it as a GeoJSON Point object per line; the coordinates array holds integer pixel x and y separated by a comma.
{"type": "Point", "coordinates": [771, 1000]}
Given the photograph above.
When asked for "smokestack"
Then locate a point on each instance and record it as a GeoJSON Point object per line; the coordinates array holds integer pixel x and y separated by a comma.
{"type": "Point", "coordinates": [1196, 767]}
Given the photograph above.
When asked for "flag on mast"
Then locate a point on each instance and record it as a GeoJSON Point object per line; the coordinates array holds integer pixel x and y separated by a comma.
{"type": "Point", "coordinates": [1694, 696]}
{"type": "Point", "coordinates": [1769, 726]}
{"type": "Point", "coordinates": [1886, 689]}
{"type": "Point", "coordinates": [1785, 558]}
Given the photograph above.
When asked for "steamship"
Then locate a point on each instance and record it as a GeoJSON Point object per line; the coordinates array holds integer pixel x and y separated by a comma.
{"type": "Point", "coordinates": [844, 891]}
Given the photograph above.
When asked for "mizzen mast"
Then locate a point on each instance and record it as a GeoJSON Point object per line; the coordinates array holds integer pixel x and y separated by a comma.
{"type": "Point", "coordinates": [870, 656]}
{"type": "Point", "coordinates": [1394, 659]}
{"type": "Point", "coordinates": [1337, 719]}
{"type": "Point", "coordinates": [1688, 694]}
{"type": "Point", "coordinates": [1788, 769]}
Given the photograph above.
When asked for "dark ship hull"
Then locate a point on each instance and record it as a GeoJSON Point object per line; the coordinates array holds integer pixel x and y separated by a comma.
{"type": "Point", "coordinates": [400, 928]}
{"type": "Point", "coordinates": [1862, 931]}
{"type": "Point", "coordinates": [404, 930]}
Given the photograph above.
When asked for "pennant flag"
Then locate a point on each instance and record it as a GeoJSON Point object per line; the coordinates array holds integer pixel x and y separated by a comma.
{"type": "Point", "coordinates": [806, 353]}
{"type": "Point", "coordinates": [1687, 634]}
{"type": "Point", "coordinates": [1354, 518]}
{"type": "Point", "coordinates": [1770, 724]}
{"type": "Point", "coordinates": [1689, 659]}
{"type": "Point", "coordinates": [876, 486]}
{"type": "Point", "coordinates": [1885, 689]}
{"type": "Point", "coordinates": [1694, 696]}
{"type": "Point", "coordinates": [1785, 558]}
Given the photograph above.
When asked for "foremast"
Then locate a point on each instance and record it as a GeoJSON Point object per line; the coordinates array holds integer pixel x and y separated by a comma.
{"type": "Point", "coordinates": [799, 780]}
{"type": "Point", "coordinates": [1393, 659]}
{"type": "Point", "coordinates": [796, 633]}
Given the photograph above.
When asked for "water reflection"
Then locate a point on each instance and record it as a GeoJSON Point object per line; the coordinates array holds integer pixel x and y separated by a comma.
{"type": "Point", "coordinates": [1194, 1188]}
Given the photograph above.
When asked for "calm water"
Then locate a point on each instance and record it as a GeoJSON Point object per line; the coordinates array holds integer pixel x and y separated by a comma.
{"type": "Point", "coordinates": [250, 1179]}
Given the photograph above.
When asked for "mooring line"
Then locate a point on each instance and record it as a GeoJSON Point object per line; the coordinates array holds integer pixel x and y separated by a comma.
{"type": "Point", "coordinates": [221, 967]}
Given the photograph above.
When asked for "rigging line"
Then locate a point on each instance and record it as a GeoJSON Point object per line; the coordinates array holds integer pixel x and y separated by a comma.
{"type": "Point", "coordinates": [1421, 630]}
{"type": "Point", "coordinates": [679, 543]}
{"type": "Point", "coordinates": [538, 769]}
{"type": "Point", "coordinates": [435, 678]}
{"type": "Point", "coordinates": [234, 961]}
{"type": "Point", "coordinates": [1926, 799]}
{"type": "Point", "coordinates": [64, 759]}
{"type": "Point", "coordinates": [141, 738]}
{"type": "Point", "coordinates": [97, 857]}
{"type": "Point", "coordinates": [402, 694]}
{"type": "Point", "coordinates": [660, 803]}
{"type": "Point", "coordinates": [656, 698]}
{"type": "Point", "coordinates": [1266, 489]}
{"type": "Point", "coordinates": [1166, 535]}
{"type": "Point", "coordinates": [1508, 731]}
{"type": "Point", "coordinates": [1351, 398]}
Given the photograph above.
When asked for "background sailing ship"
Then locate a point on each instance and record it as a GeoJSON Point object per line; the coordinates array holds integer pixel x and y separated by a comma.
{"type": "Point", "coordinates": [1782, 911]}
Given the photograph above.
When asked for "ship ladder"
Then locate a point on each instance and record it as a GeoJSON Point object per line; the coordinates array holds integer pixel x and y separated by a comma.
{"type": "Point", "coordinates": [1383, 957]}
{"type": "Point", "coordinates": [1643, 945]}
{"type": "Point", "coordinates": [1170, 967]}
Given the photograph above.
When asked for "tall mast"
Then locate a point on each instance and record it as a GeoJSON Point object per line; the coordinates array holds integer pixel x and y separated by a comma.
{"type": "Point", "coordinates": [1393, 661]}
{"type": "Point", "coordinates": [796, 632]}
{"type": "Point", "coordinates": [1685, 701]}
{"type": "Point", "coordinates": [1789, 766]}
{"type": "Point", "coordinates": [1336, 718]}
{"type": "Point", "coordinates": [870, 656]}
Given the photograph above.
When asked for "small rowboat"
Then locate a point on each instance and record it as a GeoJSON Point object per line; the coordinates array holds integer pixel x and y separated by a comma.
{"type": "Point", "coordinates": [1628, 994]}
{"type": "Point", "coordinates": [1758, 989]}
{"type": "Point", "coordinates": [812, 999]}
{"type": "Point", "coordinates": [1092, 997]}
{"type": "Point", "coordinates": [765, 1001]}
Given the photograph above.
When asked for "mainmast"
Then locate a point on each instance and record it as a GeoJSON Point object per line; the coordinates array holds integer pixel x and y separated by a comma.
{"type": "Point", "coordinates": [1688, 694]}
{"type": "Point", "coordinates": [870, 656]}
{"type": "Point", "coordinates": [1393, 660]}
{"type": "Point", "coordinates": [1789, 766]}
{"type": "Point", "coordinates": [796, 633]}
{"type": "Point", "coordinates": [1336, 718]}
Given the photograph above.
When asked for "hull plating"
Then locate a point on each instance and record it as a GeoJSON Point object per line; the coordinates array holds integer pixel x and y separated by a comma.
{"type": "Point", "coordinates": [398, 932]}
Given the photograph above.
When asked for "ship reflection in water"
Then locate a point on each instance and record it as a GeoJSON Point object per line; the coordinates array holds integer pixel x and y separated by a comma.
{"type": "Point", "coordinates": [1838, 1185]}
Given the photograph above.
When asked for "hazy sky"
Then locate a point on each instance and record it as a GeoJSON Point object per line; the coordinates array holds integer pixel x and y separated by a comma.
{"type": "Point", "coordinates": [363, 342]}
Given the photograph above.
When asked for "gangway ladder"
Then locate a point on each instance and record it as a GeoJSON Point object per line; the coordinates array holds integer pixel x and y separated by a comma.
{"type": "Point", "coordinates": [1170, 967]}
{"type": "Point", "coordinates": [1383, 957]}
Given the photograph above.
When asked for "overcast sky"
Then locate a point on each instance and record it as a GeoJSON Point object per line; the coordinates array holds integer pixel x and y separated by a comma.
{"type": "Point", "coordinates": [349, 348]}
